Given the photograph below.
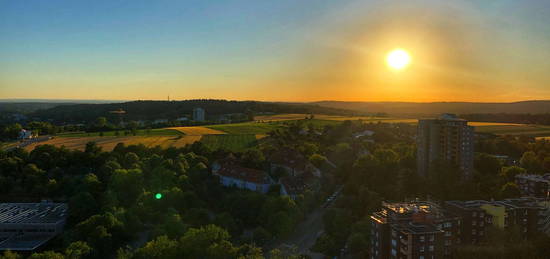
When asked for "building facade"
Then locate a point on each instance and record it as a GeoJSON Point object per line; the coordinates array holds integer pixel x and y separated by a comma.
{"type": "Point", "coordinates": [422, 230]}
{"type": "Point", "coordinates": [419, 230]}
{"type": "Point", "coordinates": [199, 114]}
{"type": "Point", "coordinates": [233, 175]}
{"type": "Point", "coordinates": [534, 185]}
{"type": "Point", "coordinates": [448, 139]}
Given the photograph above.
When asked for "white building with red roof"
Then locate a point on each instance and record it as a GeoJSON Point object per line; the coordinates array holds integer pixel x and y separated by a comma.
{"type": "Point", "coordinates": [233, 175]}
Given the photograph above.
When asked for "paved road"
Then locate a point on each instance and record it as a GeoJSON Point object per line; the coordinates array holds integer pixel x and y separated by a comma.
{"type": "Point", "coordinates": [306, 232]}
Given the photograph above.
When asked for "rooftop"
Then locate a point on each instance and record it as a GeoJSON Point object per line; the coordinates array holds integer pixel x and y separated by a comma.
{"type": "Point", "coordinates": [535, 177]}
{"type": "Point", "coordinates": [32, 213]}
{"type": "Point", "coordinates": [233, 170]}
{"type": "Point", "coordinates": [417, 228]}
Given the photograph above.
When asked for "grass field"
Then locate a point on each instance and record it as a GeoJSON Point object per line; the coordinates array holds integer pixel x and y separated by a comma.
{"type": "Point", "coordinates": [197, 131]}
{"type": "Point", "coordinates": [247, 127]}
{"type": "Point", "coordinates": [141, 132]}
{"type": "Point", "coordinates": [108, 143]}
{"type": "Point", "coordinates": [239, 142]}
{"type": "Point", "coordinates": [297, 116]}
{"type": "Point", "coordinates": [516, 129]}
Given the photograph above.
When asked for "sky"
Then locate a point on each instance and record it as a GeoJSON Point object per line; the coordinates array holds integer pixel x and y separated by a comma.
{"type": "Point", "coordinates": [284, 50]}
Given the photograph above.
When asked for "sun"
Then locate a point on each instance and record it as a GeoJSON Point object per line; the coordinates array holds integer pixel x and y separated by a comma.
{"type": "Point", "coordinates": [398, 59]}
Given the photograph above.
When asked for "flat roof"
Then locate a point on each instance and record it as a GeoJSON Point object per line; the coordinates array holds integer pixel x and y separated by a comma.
{"type": "Point", "coordinates": [32, 213]}
{"type": "Point", "coordinates": [23, 242]}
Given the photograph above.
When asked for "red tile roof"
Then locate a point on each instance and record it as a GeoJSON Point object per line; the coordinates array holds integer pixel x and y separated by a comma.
{"type": "Point", "coordinates": [242, 173]}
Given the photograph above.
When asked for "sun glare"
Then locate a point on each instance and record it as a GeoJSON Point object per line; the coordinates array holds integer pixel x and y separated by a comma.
{"type": "Point", "coordinates": [398, 59]}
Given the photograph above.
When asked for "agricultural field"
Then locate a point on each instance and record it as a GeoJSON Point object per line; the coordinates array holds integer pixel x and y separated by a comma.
{"type": "Point", "coordinates": [253, 128]}
{"type": "Point", "coordinates": [108, 143]}
{"type": "Point", "coordinates": [515, 129]}
{"type": "Point", "coordinates": [287, 117]}
{"type": "Point", "coordinates": [197, 131]}
{"type": "Point", "coordinates": [237, 143]}
{"type": "Point", "coordinates": [141, 132]}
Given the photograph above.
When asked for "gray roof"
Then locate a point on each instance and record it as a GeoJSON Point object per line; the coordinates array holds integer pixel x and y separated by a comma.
{"type": "Point", "coordinates": [32, 213]}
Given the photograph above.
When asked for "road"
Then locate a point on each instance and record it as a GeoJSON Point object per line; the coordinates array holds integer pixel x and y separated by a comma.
{"type": "Point", "coordinates": [306, 232]}
{"type": "Point", "coordinates": [25, 143]}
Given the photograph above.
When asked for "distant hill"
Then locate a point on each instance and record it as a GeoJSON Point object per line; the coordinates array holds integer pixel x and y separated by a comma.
{"type": "Point", "coordinates": [31, 105]}
{"type": "Point", "coordinates": [412, 108]}
{"type": "Point", "coordinates": [151, 110]}
{"type": "Point", "coordinates": [27, 107]}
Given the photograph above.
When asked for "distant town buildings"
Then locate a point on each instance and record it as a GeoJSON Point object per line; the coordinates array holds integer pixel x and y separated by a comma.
{"type": "Point", "coordinates": [448, 139]}
{"type": "Point", "coordinates": [231, 174]}
{"type": "Point", "coordinates": [25, 134]}
{"type": "Point", "coordinates": [26, 226]}
{"type": "Point", "coordinates": [199, 114]}
{"type": "Point", "coordinates": [421, 229]}
{"type": "Point", "coordinates": [534, 185]}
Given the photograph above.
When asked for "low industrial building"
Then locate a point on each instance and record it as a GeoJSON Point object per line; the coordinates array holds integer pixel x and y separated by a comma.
{"type": "Point", "coordinates": [27, 226]}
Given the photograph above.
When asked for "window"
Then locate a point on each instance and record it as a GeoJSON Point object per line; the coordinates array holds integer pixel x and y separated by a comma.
{"type": "Point", "coordinates": [474, 214]}
{"type": "Point", "coordinates": [448, 233]}
{"type": "Point", "coordinates": [473, 222]}
{"type": "Point", "coordinates": [431, 248]}
{"type": "Point", "coordinates": [421, 249]}
{"type": "Point", "coordinates": [431, 238]}
{"type": "Point", "coordinates": [393, 242]}
{"type": "Point", "coordinates": [421, 257]}
{"type": "Point", "coordinates": [421, 238]}
{"type": "Point", "coordinates": [393, 252]}
{"type": "Point", "coordinates": [473, 231]}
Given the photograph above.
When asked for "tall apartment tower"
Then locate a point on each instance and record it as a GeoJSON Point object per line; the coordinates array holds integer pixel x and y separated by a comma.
{"type": "Point", "coordinates": [446, 138]}
{"type": "Point", "coordinates": [198, 114]}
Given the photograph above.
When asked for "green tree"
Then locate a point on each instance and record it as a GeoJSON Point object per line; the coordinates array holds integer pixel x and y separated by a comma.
{"type": "Point", "coordinates": [530, 162]}
{"type": "Point", "coordinates": [46, 255]}
{"type": "Point", "coordinates": [160, 247]}
{"type": "Point", "coordinates": [358, 244]}
{"type": "Point", "coordinates": [325, 244]}
{"type": "Point", "coordinates": [510, 190]}
{"type": "Point", "coordinates": [207, 242]}
{"type": "Point", "coordinates": [101, 122]}
{"type": "Point", "coordinates": [10, 255]}
{"type": "Point", "coordinates": [78, 250]}
{"type": "Point", "coordinates": [509, 173]}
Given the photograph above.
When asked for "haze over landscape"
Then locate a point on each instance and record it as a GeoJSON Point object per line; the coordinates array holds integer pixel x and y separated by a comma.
{"type": "Point", "coordinates": [482, 51]}
{"type": "Point", "coordinates": [287, 129]}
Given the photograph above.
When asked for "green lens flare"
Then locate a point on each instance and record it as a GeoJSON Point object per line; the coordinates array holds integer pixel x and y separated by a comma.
{"type": "Point", "coordinates": [158, 196]}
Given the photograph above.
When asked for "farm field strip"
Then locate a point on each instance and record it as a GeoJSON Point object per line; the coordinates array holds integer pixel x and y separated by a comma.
{"type": "Point", "coordinates": [247, 127]}
{"type": "Point", "coordinates": [141, 132]}
{"type": "Point", "coordinates": [197, 131]}
{"type": "Point", "coordinates": [108, 143]}
{"type": "Point", "coordinates": [230, 142]}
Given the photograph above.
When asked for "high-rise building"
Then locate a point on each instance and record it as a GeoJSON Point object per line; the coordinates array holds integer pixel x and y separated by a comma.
{"type": "Point", "coordinates": [447, 139]}
{"type": "Point", "coordinates": [198, 114]}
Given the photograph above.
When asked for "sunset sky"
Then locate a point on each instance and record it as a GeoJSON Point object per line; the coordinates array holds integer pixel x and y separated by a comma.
{"type": "Point", "coordinates": [284, 50]}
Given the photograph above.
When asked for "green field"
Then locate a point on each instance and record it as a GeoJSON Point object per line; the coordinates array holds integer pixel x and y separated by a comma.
{"type": "Point", "coordinates": [239, 142]}
{"type": "Point", "coordinates": [530, 130]}
{"type": "Point", "coordinates": [141, 132]}
{"type": "Point", "coordinates": [247, 127]}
